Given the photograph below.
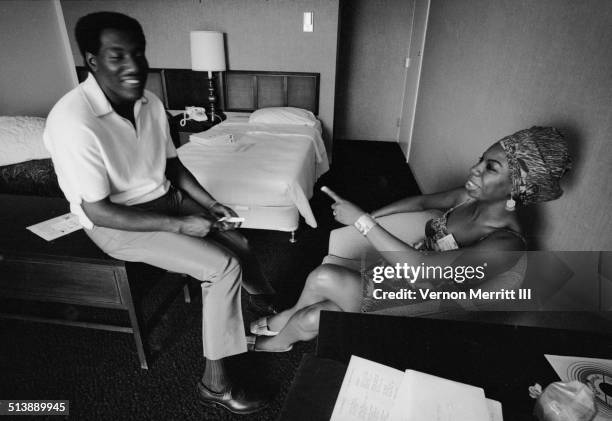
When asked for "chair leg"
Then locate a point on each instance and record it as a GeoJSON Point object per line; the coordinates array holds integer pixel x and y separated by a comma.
{"type": "Point", "coordinates": [142, 356]}
{"type": "Point", "coordinates": [186, 293]}
{"type": "Point", "coordinates": [135, 320]}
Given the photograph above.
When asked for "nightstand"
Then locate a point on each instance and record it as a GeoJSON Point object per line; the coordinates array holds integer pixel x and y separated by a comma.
{"type": "Point", "coordinates": [180, 134]}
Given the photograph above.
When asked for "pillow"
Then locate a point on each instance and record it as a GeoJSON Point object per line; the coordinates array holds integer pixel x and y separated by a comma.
{"type": "Point", "coordinates": [21, 139]}
{"type": "Point", "coordinates": [283, 115]}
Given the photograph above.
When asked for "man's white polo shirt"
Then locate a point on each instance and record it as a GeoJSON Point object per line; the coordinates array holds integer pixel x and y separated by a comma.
{"type": "Point", "coordinates": [97, 153]}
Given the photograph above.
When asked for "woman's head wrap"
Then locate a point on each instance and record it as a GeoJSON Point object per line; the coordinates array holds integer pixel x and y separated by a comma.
{"type": "Point", "coordinates": [538, 157]}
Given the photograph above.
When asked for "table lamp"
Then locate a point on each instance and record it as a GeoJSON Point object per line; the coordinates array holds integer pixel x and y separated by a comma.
{"type": "Point", "coordinates": [208, 55]}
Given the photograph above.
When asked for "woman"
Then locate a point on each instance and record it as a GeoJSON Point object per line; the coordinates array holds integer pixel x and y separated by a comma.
{"type": "Point", "coordinates": [479, 223]}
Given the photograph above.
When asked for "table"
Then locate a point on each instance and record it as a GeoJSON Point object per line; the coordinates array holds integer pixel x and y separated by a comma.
{"type": "Point", "coordinates": [70, 269]}
{"type": "Point", "coordinates": [180, 134]}
{"type": "Point", "coordinates": [504, 359]}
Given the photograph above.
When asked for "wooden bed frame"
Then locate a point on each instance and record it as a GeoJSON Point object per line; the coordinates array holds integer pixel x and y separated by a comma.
{"type": "Point", "coordinates": [249, 90]}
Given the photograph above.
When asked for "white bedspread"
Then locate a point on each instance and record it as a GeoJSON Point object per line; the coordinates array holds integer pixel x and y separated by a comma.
{"type": "Point", "coordinates": [267, 165]}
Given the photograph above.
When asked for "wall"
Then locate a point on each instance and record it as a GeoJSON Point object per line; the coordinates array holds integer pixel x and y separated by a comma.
{"type": "Point", "coordinates": [374, 41]}
{"type": "Point", "coordinates": [260, 34]}
{"type": "Point", "coordinates": [35, 71]}
{"type": "Point", "coordinates": [492, 67]}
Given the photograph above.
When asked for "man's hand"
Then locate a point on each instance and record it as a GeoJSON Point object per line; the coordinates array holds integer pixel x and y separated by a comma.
{"type": "Point", "coordinates": [345, 212]}
{"type": "Point", "coordinates": [219, 211]}
{"type": "Point", "coordinates": [195, 225]}
{"type": "Point", "coordinates": [182, 178]}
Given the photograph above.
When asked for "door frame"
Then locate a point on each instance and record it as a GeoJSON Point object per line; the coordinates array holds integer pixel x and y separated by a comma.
{"type": "Point", "coordinates": [426, 4]}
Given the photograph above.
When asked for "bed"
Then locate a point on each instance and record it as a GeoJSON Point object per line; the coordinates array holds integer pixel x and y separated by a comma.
{"type": "Point", "coordinates": [268, 173]}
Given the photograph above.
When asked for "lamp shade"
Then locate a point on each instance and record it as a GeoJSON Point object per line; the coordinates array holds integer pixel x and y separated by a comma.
{"type": "Point", "coordinates": [207, 51]}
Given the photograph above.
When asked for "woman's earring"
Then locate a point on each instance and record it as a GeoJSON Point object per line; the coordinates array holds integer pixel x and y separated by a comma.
{"type": "Point", "coordinates": [510, 205]}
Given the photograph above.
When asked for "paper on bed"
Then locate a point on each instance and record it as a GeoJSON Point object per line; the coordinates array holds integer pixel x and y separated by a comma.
{"type": "Point", "coordinates": [56, 227]}
{"type": "Point", "coordinates": [208, 138]}
{"type": "Point", "coordinates": [239, 125]}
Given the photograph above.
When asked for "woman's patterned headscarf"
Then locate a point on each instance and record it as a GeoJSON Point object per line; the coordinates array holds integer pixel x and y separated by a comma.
{"type": "Point", "coordinates": [538, 157]}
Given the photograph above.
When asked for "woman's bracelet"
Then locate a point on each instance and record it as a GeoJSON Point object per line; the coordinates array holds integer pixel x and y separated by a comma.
{"type": "Point", "coordinates": [212, 205]}
{"type": "Point", "coordinates": [365, 223]}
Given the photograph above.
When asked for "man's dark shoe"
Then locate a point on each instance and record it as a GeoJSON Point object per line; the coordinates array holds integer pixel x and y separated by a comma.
{"type": "Point", "coordinates": [235, 400]}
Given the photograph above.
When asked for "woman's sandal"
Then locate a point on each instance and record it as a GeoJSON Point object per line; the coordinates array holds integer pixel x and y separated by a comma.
{"type": "Point", "coordinates": [260, 328]}
{"type": "Point", "coordinates": [251, 346]}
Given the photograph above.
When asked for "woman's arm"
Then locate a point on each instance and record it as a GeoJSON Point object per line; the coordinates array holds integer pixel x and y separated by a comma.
{"type": "Point", "coordinates": [497, 250]}
{"type": "Point", "coordinates": [442, 200]}
{"type": "Point", "coordinates": [496, 253]}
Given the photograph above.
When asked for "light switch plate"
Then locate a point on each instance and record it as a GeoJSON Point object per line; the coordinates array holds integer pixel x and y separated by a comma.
{"type": "Point", "coordinates": [308, 22]}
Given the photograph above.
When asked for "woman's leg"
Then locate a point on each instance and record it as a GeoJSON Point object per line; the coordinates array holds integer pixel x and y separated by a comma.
{"type": "Point", "coordinates": [326, 282]}
{"type": "Point", "coordinates": [328, 287]}
{"type": "Point", "coordinates": [303, 325]}
{"type": "Point", "coordinates": [348, 243]}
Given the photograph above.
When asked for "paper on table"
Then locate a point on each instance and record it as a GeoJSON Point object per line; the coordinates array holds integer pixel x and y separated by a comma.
{"type": "Point", "coordinates": [56, 227]}
{"type": "Point", "coordinates": [423, 397]}
{"type": "Point", "coordinates": [595, 372]}
{"type": "Point", "coordinates": [570, 368]}
{"type": "Point", "coordinates": [368, 391]}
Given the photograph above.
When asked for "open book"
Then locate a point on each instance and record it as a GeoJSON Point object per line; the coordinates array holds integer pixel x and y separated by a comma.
{"type": "Point", "coordinates": [374, 392]}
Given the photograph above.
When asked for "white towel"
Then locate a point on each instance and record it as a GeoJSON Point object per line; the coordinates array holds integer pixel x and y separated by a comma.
{"type": "Point", "coordinates": [206, 138]}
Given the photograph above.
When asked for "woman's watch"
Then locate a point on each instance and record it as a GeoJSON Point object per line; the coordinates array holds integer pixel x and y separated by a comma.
{"type": "Point", "coordinates": [365, 223]}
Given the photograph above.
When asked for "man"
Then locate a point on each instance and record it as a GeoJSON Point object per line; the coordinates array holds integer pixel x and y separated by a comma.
{"type": "Point", "coordinates": [116, 164]}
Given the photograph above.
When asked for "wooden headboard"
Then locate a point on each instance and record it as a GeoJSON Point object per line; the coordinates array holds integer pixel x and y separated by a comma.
{"type": "Point", "coordinates": [238, 90]}
{"type": "Point", "coordinates": [251, 90]}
